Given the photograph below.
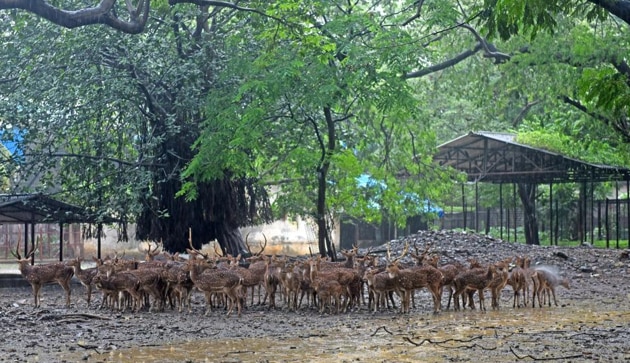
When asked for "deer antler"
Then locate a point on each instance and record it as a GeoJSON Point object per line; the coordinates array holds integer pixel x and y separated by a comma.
{"type": "Point", "coordinates": [419, 257]}
{"type": "Point", "coordinates": [217, 252]}
{"type": "Point", "coordinates": [151, 254]}
{"type": "Point", "coordinates": [16, 254]}
{"type": "Point", "coordinates": [369, 250]}
{"type": "Point", "coordinates": [404, 253]}
{"type": "Point", "coordinates": [262, 246]}
{"type": "Point", "coordinates": [193, 250]}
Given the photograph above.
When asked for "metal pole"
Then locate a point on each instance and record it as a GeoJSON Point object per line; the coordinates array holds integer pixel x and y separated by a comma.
{"type": "Point", "coordinates": [599, 219]}
{"type": "Point", "coordinates": [60, 241]}
{"type": "Point", "coordinates": [617, 211]}
{"type": "Point", "coordinates": [26, 243]}
{"type": "Point", "coordinates": [33, 243]}
{"type": "Point", "coordinates": [99, 229]}
{"type": "Point", "coordinates": [476, 207]}
{"type": "Point", "coordinates": [591, 213]}
{"type": "Point", "coordinates": [557, 222]}
{"type": "Point", "coordinates": [515, 213]}
{"type": "Point", "coordinates": [501, 210]}
{"type": "Point", "coordinates": [550, 214]}
{"type": "Point", "coordinates": [607, 226]}
{"type": "Point", "coordinates": [464, 205]}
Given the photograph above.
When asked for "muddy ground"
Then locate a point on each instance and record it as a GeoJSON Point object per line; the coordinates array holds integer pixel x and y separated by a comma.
{"type": "Point", "coordinates": [592, 322]}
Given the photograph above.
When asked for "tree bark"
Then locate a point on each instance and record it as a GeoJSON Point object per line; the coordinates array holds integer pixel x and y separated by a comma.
{"type": "Point", "coordinates": [323, 239]}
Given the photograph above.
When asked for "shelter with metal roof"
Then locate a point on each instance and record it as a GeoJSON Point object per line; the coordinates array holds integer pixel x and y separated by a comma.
{"type": "Point", "coordinates": [494, 157]}
{"type": "Point", "coordinates": [41, 209]}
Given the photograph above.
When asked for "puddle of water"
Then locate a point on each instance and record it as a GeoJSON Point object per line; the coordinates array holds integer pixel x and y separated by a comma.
{"type": "Point", "coordinates": [388, 338]}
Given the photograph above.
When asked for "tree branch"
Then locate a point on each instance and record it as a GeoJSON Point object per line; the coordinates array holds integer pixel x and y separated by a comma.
{"type": "Point", "coordinates": [416, 15]}
{"type": "Point", "coordinates": [489, 49]}
{"type": "Point", "coordinates": [620, 127]}
{"type": "Point", "coordinates": [619, 8]}
{"type": "Point", "coordinates": [521, 115]}
{"type": "Point", "coordinates": [446, 64]}
{"type": "Point", "coordinates": [100, 14]}
{"type": "Point", "coordinates": [104, 13]}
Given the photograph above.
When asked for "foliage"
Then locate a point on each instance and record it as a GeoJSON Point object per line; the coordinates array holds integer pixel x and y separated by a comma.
{"type": "Point", "coordinates": [586, 149]}
{"type": "Point", "coordinates": [271, 122]}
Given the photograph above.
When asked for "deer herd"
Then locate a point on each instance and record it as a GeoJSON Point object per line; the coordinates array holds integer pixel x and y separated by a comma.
{"type": "Point", "coordinates": [166, 280]}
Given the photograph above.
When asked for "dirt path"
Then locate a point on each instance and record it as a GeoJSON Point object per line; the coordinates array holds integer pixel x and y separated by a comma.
{"type": "Point", "coordinates": [592, 323]}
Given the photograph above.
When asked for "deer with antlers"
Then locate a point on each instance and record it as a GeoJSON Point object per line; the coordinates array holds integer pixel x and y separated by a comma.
{"type": "Point", "coordinates": [212, 280]}
{"type": "Point", "coordinates": [39, 275]}
{"type": "Point", "coordinates": [410, 279]}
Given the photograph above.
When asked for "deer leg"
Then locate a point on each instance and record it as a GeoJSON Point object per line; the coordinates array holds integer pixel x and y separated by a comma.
{"type": "Point", "coordinates": [482, 301]}
{"type": "Point", "coordinates": [66, 286]}
{"type": "Point", "coordinates": [437, 299]}
{"type": "Point", "coordinates": [450, 296]}
{"type": "Point", "coordinates": [89, 294]}
{"type": "Point", "coordinates": [36, 288]}
{"type": "Point", "coordinates": [553, 292]}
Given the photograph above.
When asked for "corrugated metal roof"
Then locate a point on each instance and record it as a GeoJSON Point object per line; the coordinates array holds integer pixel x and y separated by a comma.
{"type": "Point", "coordinates": [39, 208]}
{"type": "Point", "coordinates": [496, 157]}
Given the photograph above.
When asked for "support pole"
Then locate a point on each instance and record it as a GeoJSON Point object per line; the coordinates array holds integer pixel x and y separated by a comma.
{"type": "Point", "coordinates": [501, 210]}
{"type": "Point", "coordinates": [99, 229]}
{"type": "Point", "coordinates": [617, 212]}
{"type": "Point", "coordinates": [515, 214]}
{"type": "Point", "coordinates": [599, 219]}
{"type": "Point", "coordinates": [60, 242]}
{"type": "Point", "coordinates": [26, 243]}
{"type": "Point", "coordinates": [591, 213]}
{"type": "Point", "coordinates": [607, 225]}
{"type": "Point", "coordinates": [464, 205]}
{"type": "Point", "coordinates": [550, 214]}
{"type": "Point", "coordinates": [33, 243]}
{"type": "Point", "coordinates": [557, 231]}
{"type": "Point", "coordinates": [476, 207]}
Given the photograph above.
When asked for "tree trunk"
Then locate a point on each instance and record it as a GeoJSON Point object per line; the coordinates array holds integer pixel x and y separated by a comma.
{"type": "Point", "coordinates": [231, 241]}
{"type": "Point", "coordinates": [527, 193]}
{"type": "Point", "coordinates": [324, 242]}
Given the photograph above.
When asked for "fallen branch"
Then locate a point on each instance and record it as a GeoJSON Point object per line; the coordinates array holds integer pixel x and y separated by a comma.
{"type": "Point", "coordinates": [442, 342]}
{"type": "Point", "coordinates": [90, 347]}
{"type": "Point", "coordinates": [379, 328]}
{"type": "Point", "coordinates": [200, 330]}
{"type": "Point", "coordinates": [73, 317]}
{"type": "Point", "coordinates": [547, 358]}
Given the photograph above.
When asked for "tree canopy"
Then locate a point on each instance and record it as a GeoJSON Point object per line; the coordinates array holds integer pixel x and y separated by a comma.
{"type": "Point", "coordinates": [180, 115]}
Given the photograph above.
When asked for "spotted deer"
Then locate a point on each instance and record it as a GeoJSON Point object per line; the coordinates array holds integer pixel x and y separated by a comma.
{"type": "Point", "coordinates": [39, 275]}
{"type": "Point", "coordinates": [498, 282]}
{"type": "Point", "coordinates": [475, 279]}
{"type": "Point", "coordinates": [518, 281]}
{"type": "Point", "coordinates": [449, 272]}
{"type": "Point", "coordinates": [380, 288]}
{"type": "Point", "coordinates": [253, 276]}
{"type": "Point", "coordinates": [116, 284]}
{"type": "Point", "coordinates": [410, 279]}
{"type": "Point", "coordinates": [348, 278]}
{"type": "Point", "coordinates": [85, 276]}
{"type": "Point", "coordinates": [546, 280]}
{"type": "Point", "coordinates": [210, 280]}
